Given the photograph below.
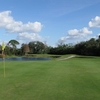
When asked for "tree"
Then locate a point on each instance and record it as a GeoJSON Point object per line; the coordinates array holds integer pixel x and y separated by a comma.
{"type": "Point", "coordinates": [0, 49]}
{"type": "Point", "coordinates": [36, 47]}
{"type": "Point", "coordinates": [13, 43]}
{"type": "Point", "coordinates": [80, 48]}
{"type": "Point", "coordinates": [26, 48]}
{"type": "Point", "coordinates": [89, 48]}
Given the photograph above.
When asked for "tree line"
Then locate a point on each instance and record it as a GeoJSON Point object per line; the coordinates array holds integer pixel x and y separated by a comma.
{"type": "Point", "coordinates": [89, 48]}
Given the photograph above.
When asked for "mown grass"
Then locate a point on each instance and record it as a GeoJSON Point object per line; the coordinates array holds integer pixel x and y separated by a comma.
{"type": "Point", "coordinates": [73, 79]}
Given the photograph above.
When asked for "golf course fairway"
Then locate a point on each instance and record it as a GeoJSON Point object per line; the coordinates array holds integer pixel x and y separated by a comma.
{"type": "Point", "coordinates": [77, 78]}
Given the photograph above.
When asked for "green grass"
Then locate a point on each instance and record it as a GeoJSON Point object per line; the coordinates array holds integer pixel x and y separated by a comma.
{"type": "Point", "coordinates": [73, 79]}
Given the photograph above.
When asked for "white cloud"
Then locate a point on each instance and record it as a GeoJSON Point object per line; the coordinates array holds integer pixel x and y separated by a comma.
{"type": "Point", "coordinates": [27, 37]}
{"type": "Point", "coordinates": [76, 34]}
{"type": "Point", "coordinates": [79, 33]}
{"type": "Point", "coordinates": [12, 26]}
{"type": "Point", "coordinates": [95, 22]}
{"type": "Point", "coordinates": [28, 31]}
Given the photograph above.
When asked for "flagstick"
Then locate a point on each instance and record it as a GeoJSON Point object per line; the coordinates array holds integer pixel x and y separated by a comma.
{"type": "Point", "coordinates": [3, 47]}
{"type": "Point", "coordinates": [4, 63]}
{"type": "Point", "coordinates": [4, 67]}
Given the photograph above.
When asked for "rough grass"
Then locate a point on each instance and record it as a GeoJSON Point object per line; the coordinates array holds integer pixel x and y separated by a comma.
{"type": "Point", "coordinates": [74, 79]}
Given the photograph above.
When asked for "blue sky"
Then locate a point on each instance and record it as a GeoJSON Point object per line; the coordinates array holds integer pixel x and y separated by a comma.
{"type": "Point", "coordinates": [50, 21]}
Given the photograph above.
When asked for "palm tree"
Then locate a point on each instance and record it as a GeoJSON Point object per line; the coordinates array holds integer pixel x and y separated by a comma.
{"type": "Point", "coordinates": [13, 44]}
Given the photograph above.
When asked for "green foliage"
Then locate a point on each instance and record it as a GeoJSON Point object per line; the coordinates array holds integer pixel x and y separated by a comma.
{"type": "Point", "coordinates": [12, 45]}
{"type": "Point", "coordinates": [62, 49]}
{"type": "Point", "coordinates": [37, 47]}
{"type": "Point", "coordinates": [90, 47]}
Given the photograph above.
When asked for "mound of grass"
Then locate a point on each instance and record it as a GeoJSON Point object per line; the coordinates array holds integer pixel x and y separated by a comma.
{"type": "Point", "coordinates": [74, 79]}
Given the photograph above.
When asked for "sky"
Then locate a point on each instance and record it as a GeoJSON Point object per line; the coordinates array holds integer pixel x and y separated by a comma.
{"type": "Point", "coordinates": [49, 21]}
